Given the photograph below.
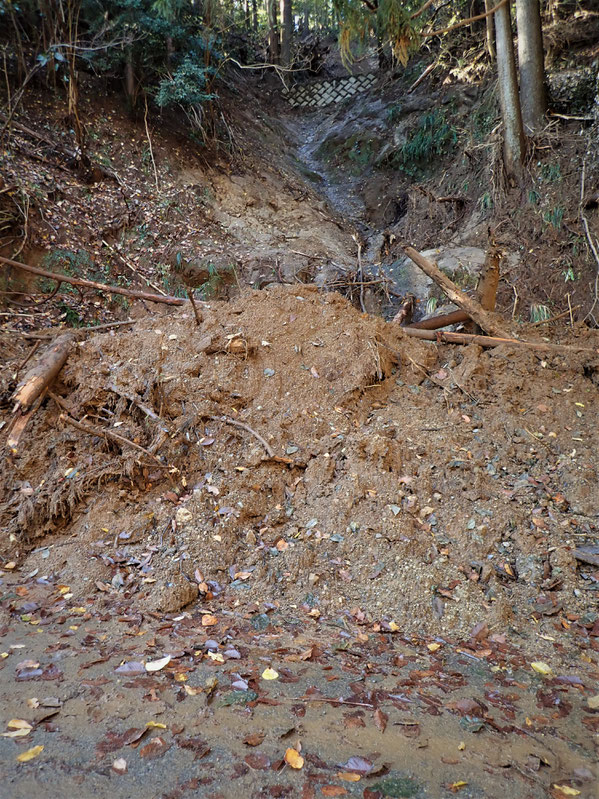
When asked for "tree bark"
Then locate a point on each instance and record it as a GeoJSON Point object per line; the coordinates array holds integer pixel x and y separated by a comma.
{"type": "Point", "coordinates": [514, 142]}
{"type": "Point", "coordinates": [273, 32]}
{"type": "Point", "coordinates": [286, 32]}
{"type": "Point", "coordinates": [531, 63]}
{"type": "Point", "coordinates": [255, 15]}
{"type": "Point", "coordinates": [130, 78]}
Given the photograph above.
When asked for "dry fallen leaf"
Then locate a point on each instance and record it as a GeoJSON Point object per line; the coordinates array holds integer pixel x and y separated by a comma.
{"type": "Point", "coordinates": [380, 720]}
{"type": "Point", "coordinates": [24, 757]}
{"type": "Point", "coordinates": [209, 621]}
{"type": "Point", "coordinates": [333, 790]}
{"type": "Point", "coordinates": [566, 790]}
{"type": "Point", "coordinates": [119, 765]}
{"type": "Point", "coordinates": [293, 758]}
{"type": "Point", "coordinates": [19, 724]}
{"type": "Point", "coordinates": [254, 739]}
{"type": "Point", "coordinates": [156, 665]}
{"type": "Point", "coordinates": [270, 674]}
{"type": "Point", "coordinates": [542, 668]}
{"type": "Point", "coordinates": [348, 776]}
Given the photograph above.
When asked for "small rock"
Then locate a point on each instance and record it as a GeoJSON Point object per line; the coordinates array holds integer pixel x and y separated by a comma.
{"type": "Point", "coordinates": [183, 516]}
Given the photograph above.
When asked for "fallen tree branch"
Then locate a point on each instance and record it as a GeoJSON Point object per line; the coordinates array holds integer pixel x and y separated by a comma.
{"type": "Point", "coordinates": [443, 337]}
{"type": "Point", "coordinates": [41, 376]}
{"type": "Point", "coordinates": [468, 21]}
{"type": "Point", "coordinates": [474, 309]}
{"type": "Point", "coordinates": [43, 335]}
{"type": "Point", "coordinates": [422, 77]}
{"type": "Point", "coordinates": [79, 281]}
{"type": "Point", "coordinates": [133, 269]}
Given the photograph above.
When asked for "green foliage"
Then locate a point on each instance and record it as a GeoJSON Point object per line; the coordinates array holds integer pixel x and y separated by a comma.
{"type": "Point", "coordinates": [433, 137]}
{"type": "Point", "coordinates": [186, 86]}
{"type": "Point", "coordinates": [485, 202]}
{"type": "Point", "coordinates": [484, 118]}
{"type": "Point", "coordinates": [550, 173]}
{"type": "Point", "coordinates": [568, 274]}
{"type": "Point", "coordinates": [539, 313]}
{"type": "Point", "coordinates": [555, 216]}
{"type": "Point", "coordinates": [169, 48]}
{"type": "Point", "coordinates": [388, 20]}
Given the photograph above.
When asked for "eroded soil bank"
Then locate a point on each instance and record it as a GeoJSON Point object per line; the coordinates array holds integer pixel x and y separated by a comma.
{"type": "Point", "coordinates": [377, 552]}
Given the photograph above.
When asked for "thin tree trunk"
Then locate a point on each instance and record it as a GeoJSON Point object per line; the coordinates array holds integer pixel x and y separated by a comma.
{"type": "Point", "coordinates": [531, 64]}
{"type": "Point", "coordinates": [255, 15]}
{"type": "Point", "coordinates": [273, 32]}
{"type": "Point", "coordinates": [490, 32]}
{"type": "Point", "coordinates": [130, 78]}
{"type": "Point", "coordinates": [286, 31]}
{"type": "Point", "coordinates": [514, 142]}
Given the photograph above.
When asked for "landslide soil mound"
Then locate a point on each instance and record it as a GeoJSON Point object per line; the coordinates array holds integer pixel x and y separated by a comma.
{"type": "Point", "coordinates": [302, 454]}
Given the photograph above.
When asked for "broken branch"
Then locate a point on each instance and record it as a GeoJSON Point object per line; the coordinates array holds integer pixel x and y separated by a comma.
{"type": "Point", "coordinates": [443, 337]}
{"type": "Point", "coordinates": [474, 310]}
{"type": "Point", "coordinates": [79, 281]}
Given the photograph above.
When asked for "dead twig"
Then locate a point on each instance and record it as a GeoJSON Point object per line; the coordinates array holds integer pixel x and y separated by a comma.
{"type": "Point", "coordinates": [103, 433]}
{"type": "Point", "coordinates": [227, 420]}
{"type": "Point", "coordinates": [557, 316]}
{"type": "Point", "coordinates": [198, 316]}
{"type": "Point", "coordinates": [589, 238]}
{"type": "Point", "coordinates": [122, 392]}
{"type": "Point", "coordinates": [150, 145]}
{"type": "Point", "coordinates": [132, 268]}
{"type": "Point", "coordinates": [34, 349]}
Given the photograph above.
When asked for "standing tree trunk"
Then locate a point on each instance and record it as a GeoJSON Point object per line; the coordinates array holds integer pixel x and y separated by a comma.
{"type": "Point", "coordinates": [273, 31]}
{"type": "Point", "coordinates": [533, 99]}
{"type": "Point", "coordinates": [286, 32]}
{"type": "Point", "coordinates": [130, 77]}
{"type": "Point", "coordinates": [514, 142]}
{"type": "Point", "coordinates": [255, 15]}
{"type": "Point", "coordinates": [490, 33]}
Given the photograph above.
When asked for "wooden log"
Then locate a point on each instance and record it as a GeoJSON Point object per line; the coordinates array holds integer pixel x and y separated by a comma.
{"type": "Point", "coordinates": [473, 308]}
{"type": "Point", "coordinates": [79, 281]}
{"type": "Point", "coordinates": [443, 320]}
{"type": "Point", "coordinates": [40, 376]}
{"type": "Point", "coordinates": [443, 337]}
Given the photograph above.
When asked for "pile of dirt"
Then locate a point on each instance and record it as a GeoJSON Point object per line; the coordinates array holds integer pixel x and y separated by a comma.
{"type": "Point", "coordinates": [303, 454]}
